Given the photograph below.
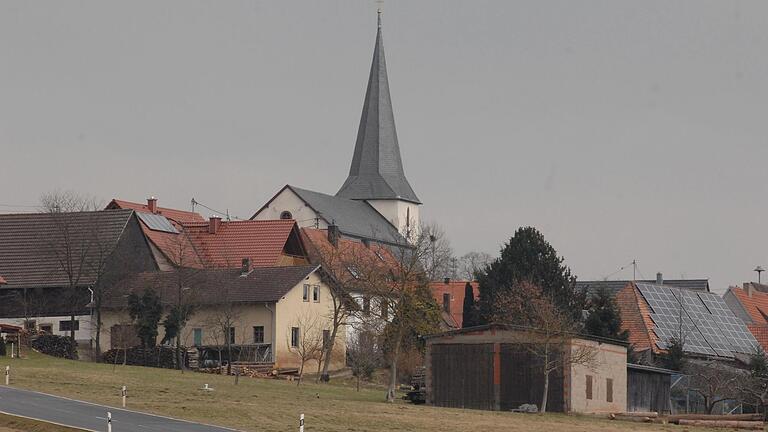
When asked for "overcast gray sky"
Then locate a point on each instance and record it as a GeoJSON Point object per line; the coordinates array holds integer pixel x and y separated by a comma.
{"type": "Point", "coordinates": [622, 130]}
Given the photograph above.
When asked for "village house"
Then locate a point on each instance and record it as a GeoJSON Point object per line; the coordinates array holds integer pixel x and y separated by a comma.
{"type": "Point", "coordinates": [493, 367]}
{"type": "Point", "coordinates": [449, 294]}
{"type": "Point", "coordinates": [656, 314]}
{"type": "Point", "coordinates": [263, 312]}
{"type": "Point", "coordinates": [376, 202]}
{"type": "Point", "coordinates": [43, 254]}
{"type": "Point", "coordinates": [750, 304]}
{"type": "Point", "coordinates": [185, 239]}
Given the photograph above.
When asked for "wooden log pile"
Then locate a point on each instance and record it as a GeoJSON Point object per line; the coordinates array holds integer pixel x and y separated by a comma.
{"type": "Point", "coordinates": [732, 424]}
{"type": "Point", "coordinates": [732, 421]}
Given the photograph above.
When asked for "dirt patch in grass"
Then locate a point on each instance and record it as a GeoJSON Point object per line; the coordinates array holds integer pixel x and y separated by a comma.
{"type": "Point", "coordinates": [19, 424]}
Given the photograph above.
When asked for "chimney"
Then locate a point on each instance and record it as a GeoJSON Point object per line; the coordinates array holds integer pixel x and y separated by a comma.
{"type": "Point", "coordinates": [213, 224]}
{"type": "Point", "coordinates": [749, 289]}
{"type": "Point", "coordinates": [447, 280]}
{"type": "Point", "coordinates": [246, 266]}
{"type": "Point", "coordinates": [333, 234]}
{"type": "Point", "coordinates": [152, 204]}
{"type": "Point", "coordinates": [659, 279]}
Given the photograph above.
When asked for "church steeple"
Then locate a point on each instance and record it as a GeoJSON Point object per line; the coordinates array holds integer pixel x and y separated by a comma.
{"type": "Point", "coordinates": [377, 171]}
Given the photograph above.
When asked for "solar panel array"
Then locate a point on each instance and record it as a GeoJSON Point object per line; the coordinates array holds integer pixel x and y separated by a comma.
{"type": "Point", "coordinates": [157, 222]}
{"type": "Point", "coordinates": [704, 321]}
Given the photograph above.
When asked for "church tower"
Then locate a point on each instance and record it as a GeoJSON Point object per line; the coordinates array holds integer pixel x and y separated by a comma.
{"type": "Point", "coordinates": [376, 174]}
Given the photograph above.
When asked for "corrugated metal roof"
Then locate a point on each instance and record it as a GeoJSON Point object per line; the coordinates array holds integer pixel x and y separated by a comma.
{"type": "Point", "coordinates": [377, 168]}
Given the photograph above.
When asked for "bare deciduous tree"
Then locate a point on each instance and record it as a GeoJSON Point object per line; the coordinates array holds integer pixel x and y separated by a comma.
{"type": "Point", "coordinates": [472, 263]}
{"type": "Point", "coordinates": [363, 356]}
{"type": "Point", "coordinates": [549, 340]}
{"type": "Point", "coordinates": [305, 339]}
{"type": "Point", "coordinates": [713, 381]}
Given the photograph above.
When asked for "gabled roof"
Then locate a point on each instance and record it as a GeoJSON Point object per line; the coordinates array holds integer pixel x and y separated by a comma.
{"type": "Point", "coordinates": [456, 289]}
{"type": "Point", "coordinates": [262, 241]}
{"type": "Point", "coordinates": [215, 286]}
{"type": "Point", "coordinates": [346, 259]}
{"type": "Point", "coordinates": [656, 314]}
{"type": "Point", "coordinates": [354, 218]}
{"type": "Point", "coordinates": [29, 242]}
{"type": "Point", "coordinates": [377, 169]}
{"type": "Point", "coordinates": [615, 286]}
{"type": "Point", "coordinates": [176, 247]}
{"type": "Point", "coordinates": [755, 305]}
{"type": "Point", "coordinates": [172, 214]}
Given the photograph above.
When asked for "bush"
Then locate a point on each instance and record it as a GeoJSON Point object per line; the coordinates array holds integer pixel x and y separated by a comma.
{"type": "Point", "coordinates": [159, 356]}
{"type": "Point", "coordinates": [53, 345]}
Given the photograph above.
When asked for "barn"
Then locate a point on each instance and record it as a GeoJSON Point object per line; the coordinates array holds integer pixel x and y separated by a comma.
{"type": "Point", "coordinates": [648, 388]}
{"type": "Point", "coordinates": [499, 367]}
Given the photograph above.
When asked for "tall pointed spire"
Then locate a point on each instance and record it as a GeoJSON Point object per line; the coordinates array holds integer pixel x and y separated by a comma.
{"type": "Point", "coordinates": [377, 171]}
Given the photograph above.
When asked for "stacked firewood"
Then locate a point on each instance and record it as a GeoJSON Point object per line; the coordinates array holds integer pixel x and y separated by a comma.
{"type": "Point", "coordinates": [733, 421]}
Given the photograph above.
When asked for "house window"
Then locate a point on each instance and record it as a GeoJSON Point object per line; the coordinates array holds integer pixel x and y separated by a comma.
{"type": "Point", "coordinates": [30, 324]}
{"type": "Point", "coordinates": [589, 387]}
{"type": "Point", "coordinates": [326, 338]}
{"type": "Point", "coordinates": [197, 336]}
{"type": "Point", "coordinates": [384, 310]}
{"type": "Point", "coordinates": [294, 337]}
{"type": "Point", "coordinates": [305, 296]}
{"type": "Point", "coordinates": [258, 334]}
{"type": "Point", "coordinates": [66, 326]}
{"type": "Point", "coordinates": [316, 293]}
{"type": "Point", "coordinates": [286, 215]}
{"type": "Point", "coordinates": [609, 389]}
{"type": "Point", "coordinates": [447, 302]}
{"type": "Point", "coordinates": [231, 335]}
{"type": "Point", "coordinates": [366, 306]}
{"type": "Point", "coordinates": [46, 328]}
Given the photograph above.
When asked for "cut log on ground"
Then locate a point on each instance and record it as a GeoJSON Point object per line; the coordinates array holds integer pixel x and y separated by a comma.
{"type": "Point", "coordinates": [732, 424]}
{"type": "Point", "coordinates": [630, 418]}
{"type": "Point", "coordinates": [744, 417]}
{"type": "Point", "coordinates": [651, 414]}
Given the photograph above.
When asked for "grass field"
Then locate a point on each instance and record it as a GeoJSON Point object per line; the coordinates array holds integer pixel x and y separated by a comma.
{"type": "Point", "coordinates": [17, 424]}
{"type": "Point", "coordinates": [273, 405]}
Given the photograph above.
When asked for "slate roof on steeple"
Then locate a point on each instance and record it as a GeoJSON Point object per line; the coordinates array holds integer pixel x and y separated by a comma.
{"type": "Point", "coordinates": [377, 169]}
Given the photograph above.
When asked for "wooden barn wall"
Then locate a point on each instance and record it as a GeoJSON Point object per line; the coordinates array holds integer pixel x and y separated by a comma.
{"type": "Point", "coordinates": [522, 380]}
{"type": "Point", "coordinates": [462, 376]}
{"type": "Point", "coordinates": [647, 391]}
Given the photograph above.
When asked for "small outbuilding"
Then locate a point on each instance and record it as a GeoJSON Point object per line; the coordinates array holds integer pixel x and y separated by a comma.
{"type": "Point", "coordinates": [499, 367]}
{"type": "Point", "coordinates": [648, 388]}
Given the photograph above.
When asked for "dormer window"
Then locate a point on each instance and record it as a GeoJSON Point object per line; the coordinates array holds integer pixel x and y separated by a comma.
{"type": "Point", "coordinates": [286, 215]}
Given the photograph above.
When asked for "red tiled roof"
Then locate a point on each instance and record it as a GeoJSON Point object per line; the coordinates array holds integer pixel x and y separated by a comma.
{"type": "Point", "coordinates": [456, 290]}
{"type": "Point", "coordinates": [350, 253]}
{"type": "Point", "coordinates": [175, 247]}
{"type": "Point", "coordinates": [172, 214]}
{"type": "Point", "coordinates": [636, 318]}
{"type": "Point", "coordinates": [756, 305]}
{"type": "Point", "coordinates": [263, 241]}
{"type": "Point", "coordinates": [760, 332]}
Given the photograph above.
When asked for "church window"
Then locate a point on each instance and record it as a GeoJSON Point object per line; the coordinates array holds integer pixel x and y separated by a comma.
{"type": "Point", "coordinates": [286, 215]}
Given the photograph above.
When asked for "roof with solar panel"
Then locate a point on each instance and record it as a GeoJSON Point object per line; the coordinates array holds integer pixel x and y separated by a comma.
{"type": "Point", "coordinates": [703, 321]}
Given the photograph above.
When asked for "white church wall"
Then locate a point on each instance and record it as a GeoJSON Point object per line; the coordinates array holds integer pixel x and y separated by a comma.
{"type": "Point", "coordinates": [398, 212]}
{"type": "Point", "coordinates": [287, 200]}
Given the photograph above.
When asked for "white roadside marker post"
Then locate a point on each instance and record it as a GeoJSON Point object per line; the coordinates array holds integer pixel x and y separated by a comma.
{"type": "Point", "coordinates": [109, 421]}
{"type": "Point", "coordinates": [124, 393]}
{"type": "Point", "coordinates": [7, 374]}
{"type": "Point", "coordinates": [301, 423]}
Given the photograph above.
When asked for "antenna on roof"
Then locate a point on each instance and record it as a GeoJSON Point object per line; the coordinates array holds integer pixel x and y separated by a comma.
{"type": "Point", "coordinates": [193, 204]}
{"type": "Point", "coordinates": [759, 270]}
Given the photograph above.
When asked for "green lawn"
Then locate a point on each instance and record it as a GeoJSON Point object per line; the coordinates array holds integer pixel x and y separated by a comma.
{"type": "Point", "coordinates": [274, 405]}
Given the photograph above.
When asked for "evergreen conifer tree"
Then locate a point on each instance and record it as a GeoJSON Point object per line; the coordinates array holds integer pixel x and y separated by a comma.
{"type": "Point", "coordinates": [468, 319]}
{"type": "Point", "coordinates": [529, 258]}
{"type": "Point", "coordinates": [604, 318]}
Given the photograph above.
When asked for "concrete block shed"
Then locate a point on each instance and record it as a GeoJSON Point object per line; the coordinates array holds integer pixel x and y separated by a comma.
{"type": "Point", "coordinates": [493, 367]}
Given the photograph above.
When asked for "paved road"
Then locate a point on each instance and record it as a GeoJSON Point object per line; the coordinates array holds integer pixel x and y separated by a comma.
{"type": "Point", "coordinates": [88, 416]}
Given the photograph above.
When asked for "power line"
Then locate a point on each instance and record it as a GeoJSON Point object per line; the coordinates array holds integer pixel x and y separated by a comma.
{"type": "Point", "coordinates": [195, 202]}
{"type": "Point", "coordinates": [622, 268]}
